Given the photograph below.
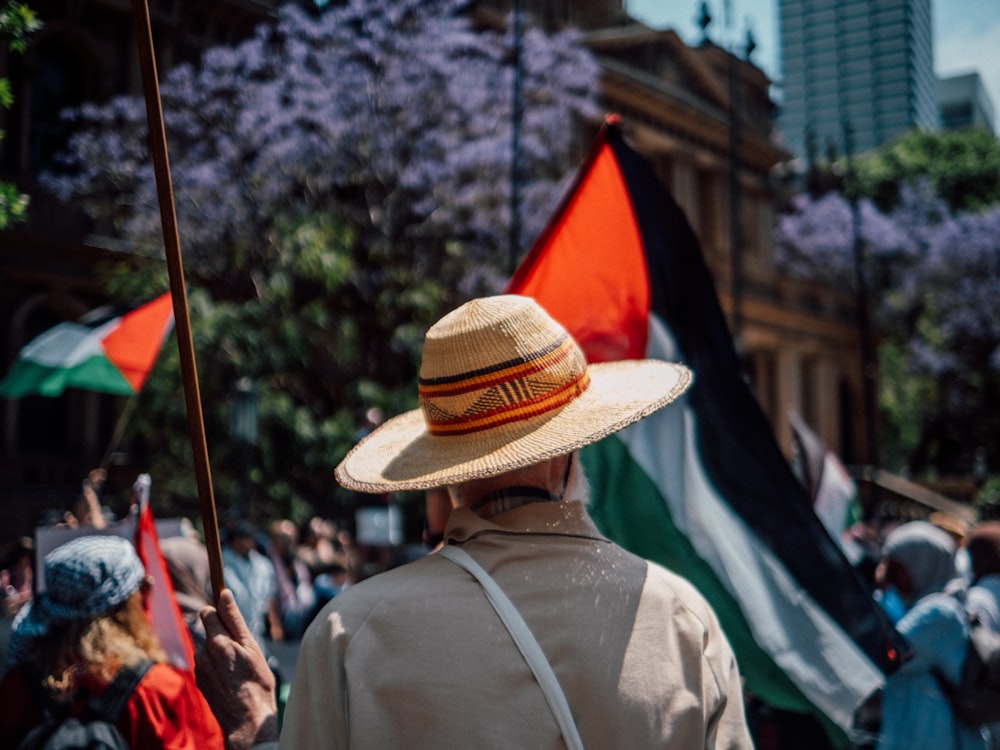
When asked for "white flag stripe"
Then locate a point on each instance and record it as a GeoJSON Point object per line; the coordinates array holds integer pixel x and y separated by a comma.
{"type": "Point", "coordinates": [819, 657]}
{"type": "Point", "coordinates": [67, 345]}
{"type": "Point", "coordinates": [833, 499]}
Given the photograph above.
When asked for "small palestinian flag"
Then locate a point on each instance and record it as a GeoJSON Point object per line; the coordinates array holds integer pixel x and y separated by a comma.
{"type": "Point", "coordinates": [702, 487]}
{"type": "Point", "coordinates": [162, 607]}
{"type": "Point", "coordinates": [109, 354]}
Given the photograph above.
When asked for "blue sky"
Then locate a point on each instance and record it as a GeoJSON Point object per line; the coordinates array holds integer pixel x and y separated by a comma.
{"type": "Point", "coordinates": [966, 32]}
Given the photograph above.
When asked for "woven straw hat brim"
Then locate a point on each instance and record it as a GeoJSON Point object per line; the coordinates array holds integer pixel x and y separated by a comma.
{"type": "Point", "coordinates": [401, 455]}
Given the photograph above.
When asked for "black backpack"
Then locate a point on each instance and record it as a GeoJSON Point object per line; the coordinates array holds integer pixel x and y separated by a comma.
{"type": "Point", "coordinates": [976, 697]}
{"type": "Point", "coordinates": [95, 728]}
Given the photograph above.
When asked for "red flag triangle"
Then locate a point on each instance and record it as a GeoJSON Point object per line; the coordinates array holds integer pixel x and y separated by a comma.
{"type": "Point", "coordinates": [574, 260]}
{"type": "Point", "coordinates": [134, 345]}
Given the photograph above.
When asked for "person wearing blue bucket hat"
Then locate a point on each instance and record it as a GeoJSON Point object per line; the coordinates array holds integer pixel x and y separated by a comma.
{"type": "Point", "coordinates": [73, 638]}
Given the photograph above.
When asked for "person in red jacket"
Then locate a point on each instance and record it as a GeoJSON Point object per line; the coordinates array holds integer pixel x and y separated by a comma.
{"type": "Point", "coordinates": [71, 641]}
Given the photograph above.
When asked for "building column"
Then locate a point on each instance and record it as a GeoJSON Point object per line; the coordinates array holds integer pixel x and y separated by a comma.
{"type": "Point", "coordinates": [684, 186]}
{"type": "Point", "coordinates": [789, 392]}
{"type": "Point", "coordinates": [827, 408]}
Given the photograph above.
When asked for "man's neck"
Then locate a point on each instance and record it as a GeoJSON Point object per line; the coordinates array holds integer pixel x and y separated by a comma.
{"type": "Point", "coordinates": [504, 499]}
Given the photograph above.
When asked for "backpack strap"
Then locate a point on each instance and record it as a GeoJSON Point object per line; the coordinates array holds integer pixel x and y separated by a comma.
{"type": "Point", "coordinates": [109, 704]}
{"type": "Point", "coordinates": [525, 641]}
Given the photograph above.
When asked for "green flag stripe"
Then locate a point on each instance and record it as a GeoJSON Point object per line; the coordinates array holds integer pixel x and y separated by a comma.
{"type": "Point", "coordinates": [632, 511]}
{"type": "Point", "coordinates": [96, 374]}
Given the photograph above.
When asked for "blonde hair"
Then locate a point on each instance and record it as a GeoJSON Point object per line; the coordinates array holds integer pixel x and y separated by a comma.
{"type": "Point", "coordinates": [92, 651]}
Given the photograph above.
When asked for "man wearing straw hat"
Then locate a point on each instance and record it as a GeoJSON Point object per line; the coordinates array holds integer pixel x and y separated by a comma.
{"type": "Point", "coordinates": [528, 629]}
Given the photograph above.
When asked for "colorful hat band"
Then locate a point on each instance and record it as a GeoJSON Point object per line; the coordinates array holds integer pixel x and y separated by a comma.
{"type": "Point", "coordinates": [511, 391]}
{"type": "Point", "coordinates": [503, 386]}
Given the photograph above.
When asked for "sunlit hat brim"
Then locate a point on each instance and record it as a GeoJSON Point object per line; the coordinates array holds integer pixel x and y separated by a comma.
{"type": "Point", "coordinates": [401, 455]}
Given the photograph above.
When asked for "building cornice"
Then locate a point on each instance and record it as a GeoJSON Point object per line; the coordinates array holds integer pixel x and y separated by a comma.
{"type": "Point", "coordinates": [670, 109]}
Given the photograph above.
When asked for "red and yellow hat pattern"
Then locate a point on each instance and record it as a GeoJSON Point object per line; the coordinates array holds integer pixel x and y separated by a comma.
{"type": "Point", "coordinates": [512, 390]}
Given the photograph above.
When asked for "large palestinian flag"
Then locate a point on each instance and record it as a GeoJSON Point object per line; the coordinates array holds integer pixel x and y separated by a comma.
{"type": "Point", "coordinates": [106, 352]}
{"type": "Point", "coordinates": [702, 486]}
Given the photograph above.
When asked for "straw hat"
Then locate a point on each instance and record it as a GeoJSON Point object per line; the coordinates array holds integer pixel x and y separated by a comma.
{"type": "Point", "coordinates": [504, 386]}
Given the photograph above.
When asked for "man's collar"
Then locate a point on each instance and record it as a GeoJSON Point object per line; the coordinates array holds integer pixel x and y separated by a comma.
{"type": "Point", "coordinates": [507, 498]}
{"type": "Point", "coordinates": [563, 518]}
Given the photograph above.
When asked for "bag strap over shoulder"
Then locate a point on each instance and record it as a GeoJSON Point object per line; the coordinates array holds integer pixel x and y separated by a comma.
{"type": "Point", "coordinates": [109, 704]}
{"type": "Point", "coordinates": [61, 728]}
{"type": "Point", "coordinates": [525, 641]}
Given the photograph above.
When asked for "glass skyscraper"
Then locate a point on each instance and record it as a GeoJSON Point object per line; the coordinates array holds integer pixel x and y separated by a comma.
{"type": "Point", "coordinates": [868, 63]}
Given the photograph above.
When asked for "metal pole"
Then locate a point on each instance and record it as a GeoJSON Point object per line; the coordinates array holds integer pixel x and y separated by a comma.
{"type": "Point", "coordinates": [175, 268]}
{"type": "Point", "coordinates": [244, 429]}
{"type": "Point", "coordinates": [517, 117]}
{"type": "Point", "coordinates": [868, 366]}
{"type": "Point", "coordinates": [735, 205]}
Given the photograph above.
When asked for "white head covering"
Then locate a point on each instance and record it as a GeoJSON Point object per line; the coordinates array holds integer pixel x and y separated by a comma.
{"type": "Point", "coordinates": [926, 552]}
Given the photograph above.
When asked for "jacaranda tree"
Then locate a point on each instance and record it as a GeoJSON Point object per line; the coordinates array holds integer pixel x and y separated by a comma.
{"type": "Point", "coordinates": [342, 178]}
{"type": "Point", "coordinates": [934, 278]}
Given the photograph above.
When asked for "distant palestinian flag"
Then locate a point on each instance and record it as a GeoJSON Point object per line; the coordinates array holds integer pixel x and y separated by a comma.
{"type": "Point", "coordinates": [101, 352]}
{"type": "Point", "coordinates": [831, 490]}
{"type": "Point", "coordinates": [702, 486]}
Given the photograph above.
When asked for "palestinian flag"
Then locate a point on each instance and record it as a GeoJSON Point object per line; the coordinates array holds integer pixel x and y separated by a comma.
{"type": "Point", "coordinates": [110, 353]}
{"type": "Point", "coordinates": [832, 492]}
{"type": "Point", "coordinates": [702, 486]}
{"type": "Point", "coordinates": [161, 603]}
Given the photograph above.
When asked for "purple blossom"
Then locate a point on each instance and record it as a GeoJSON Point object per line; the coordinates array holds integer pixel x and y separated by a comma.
{"type": "Point", "coordinates": [817, 240]}
{"type": "Point", "coordinates": [396, 115]}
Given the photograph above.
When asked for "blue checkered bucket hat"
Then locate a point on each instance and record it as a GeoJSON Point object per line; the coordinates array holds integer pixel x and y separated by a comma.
{"type": "Point", "coordinates": [84, 578]}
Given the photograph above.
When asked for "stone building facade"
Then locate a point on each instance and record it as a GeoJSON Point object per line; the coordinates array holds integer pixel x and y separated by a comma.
{"type": "Point", "coordinates": [702, 115]}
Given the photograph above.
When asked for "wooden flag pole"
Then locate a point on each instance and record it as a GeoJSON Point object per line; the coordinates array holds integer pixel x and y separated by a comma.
{"type": "Point", "coordinates": [178, 293]}
{"type": "Point", "coordinates": [116, 436]}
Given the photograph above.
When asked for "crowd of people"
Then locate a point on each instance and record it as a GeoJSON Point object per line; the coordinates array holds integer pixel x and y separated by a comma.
{"type": "Point", "coordinates": [281, 573]}
{"type": "Point", "coordinates": [89, 625]}
{"type": "Point", "coordinates": [522, 626]}
{"type": "Point", "coordinates": [935, 582]}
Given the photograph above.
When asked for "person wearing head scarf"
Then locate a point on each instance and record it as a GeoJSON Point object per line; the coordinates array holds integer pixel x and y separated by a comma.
{"type": "Point", "coordinates": [918, 563]}
{"type": "Point", "coordinates": [984, 560]}
{"type": "Point", "coordinates": [73, 638]}
{"type": "Point", "coordinates": [417, 656]}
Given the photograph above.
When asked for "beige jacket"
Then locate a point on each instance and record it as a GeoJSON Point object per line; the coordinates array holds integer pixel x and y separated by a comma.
{"type": "Point", "coordinates": [416, 657]}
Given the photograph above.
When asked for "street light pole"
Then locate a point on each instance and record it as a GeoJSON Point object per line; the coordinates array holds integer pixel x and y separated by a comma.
{"type": "Point", "coordinates": [517, 117]}
{"type": "Point", "coordinates": [868, 366]}
{"type": "Point", "coordinates": [244, 428]}
{"type": "Point", "coordinates": [735, 204]}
